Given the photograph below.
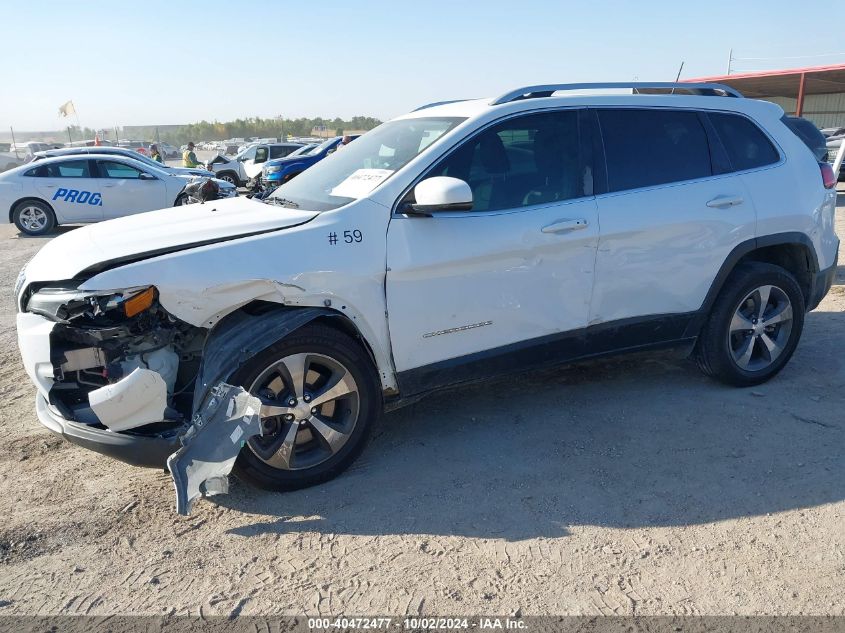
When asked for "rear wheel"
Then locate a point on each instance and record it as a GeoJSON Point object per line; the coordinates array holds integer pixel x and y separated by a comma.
{"type": "Point", "coordinates": [34, 217]}
{"type": "Point", "coordinates": [754, 326]}
{"type": "Point", "coordinates": [320, 399]}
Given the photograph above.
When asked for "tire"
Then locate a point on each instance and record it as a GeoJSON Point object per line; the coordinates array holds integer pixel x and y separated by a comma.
{"type": "Point", "coordinates": [231, 177]}
{"type": "Point", "coordinates": [739, 348]}
{"type": "Point", "coordinates": [181, 199]}
{"type": "Point", "coordinates": [34, 217]}
{"type": "Point", "coordinates": [264, 461]}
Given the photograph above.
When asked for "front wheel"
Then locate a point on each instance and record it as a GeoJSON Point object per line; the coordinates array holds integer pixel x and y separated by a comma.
{"type": "Point", "coordinates": [34, 217]}
{"type": "Point", "coordinates": [754, 326]}
{"type": "Point", "coordinates": [320, 399]}
{"type": "Point", "coordinates": [230, 178]}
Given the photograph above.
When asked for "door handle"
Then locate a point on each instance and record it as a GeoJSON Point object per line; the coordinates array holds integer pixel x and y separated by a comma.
{"type": "Point", "coordinates": [108, 185]}
{"type": "Point", "coordinates": [564, 226]}
{"type": "Point", "coordinates": [723, 202]}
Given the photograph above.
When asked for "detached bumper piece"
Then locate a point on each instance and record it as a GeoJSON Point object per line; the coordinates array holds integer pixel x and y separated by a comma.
{"type": "Point", "coordinates": [227, 418]}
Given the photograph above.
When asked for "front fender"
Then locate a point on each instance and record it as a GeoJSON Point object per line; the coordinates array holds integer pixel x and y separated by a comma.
{"type": "Point", "coordinates": [240, 336]}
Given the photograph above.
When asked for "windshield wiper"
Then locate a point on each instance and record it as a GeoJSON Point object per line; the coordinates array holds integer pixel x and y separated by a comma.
{"type": "Point", "coordinates": [282, 202]}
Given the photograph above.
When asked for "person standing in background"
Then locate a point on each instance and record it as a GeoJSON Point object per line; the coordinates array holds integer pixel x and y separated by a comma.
{"type": "Point", "coordinates": [155, 154]}
{"type": "Point", "coordinates": [189, 159]}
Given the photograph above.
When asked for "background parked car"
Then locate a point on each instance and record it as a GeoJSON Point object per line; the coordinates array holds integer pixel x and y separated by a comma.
{"type": "Point", "coordinates": [278, 171]}
{"type": "Point", "coordinates": [829, 132]}
{"type": "Point", "coordinates": [247, 164]}
{"type": "Point", "coordinates": [85, 188]}
{"type": "Point", "coordinates": [128, 153]}
{"type": "Point", "coordinates": [169, 150]}
{"type": "Point", "coordinates": [138, 146]}
{"type": "Point", "coordinates": [9, 161]}
{"type": "Point", "coordinates": [25, 151]}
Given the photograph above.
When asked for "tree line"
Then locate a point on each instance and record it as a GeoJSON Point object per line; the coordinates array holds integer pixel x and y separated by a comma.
{"type": "Point", "coordinates": [239, 128]}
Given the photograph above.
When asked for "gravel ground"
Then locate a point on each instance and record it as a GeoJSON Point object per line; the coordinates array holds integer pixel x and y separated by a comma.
{"type": "Point", "coordinates": [625, 486]}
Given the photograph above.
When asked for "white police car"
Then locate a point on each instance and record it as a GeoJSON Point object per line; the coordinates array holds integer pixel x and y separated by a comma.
{"type": "Point", "coordinates": [128, 153]}
{"type": "Point", "coordinates": [90, 188]}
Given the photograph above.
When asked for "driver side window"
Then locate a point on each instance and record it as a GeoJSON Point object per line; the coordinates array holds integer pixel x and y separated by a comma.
{"type": "Point", "coordinates": [261, 155]}
{"type": "Point", "coordinates": [524, 161]}
{"type": "Point", "coordinates": [109, 169]}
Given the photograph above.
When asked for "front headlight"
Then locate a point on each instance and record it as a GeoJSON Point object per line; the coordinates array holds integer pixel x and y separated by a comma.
{"type": "Point", "coordinates": [272, 169]}
{"type": "Point", "coordinates": [19, 282]}
{"type": "Point", "coordinates": [61, 304]}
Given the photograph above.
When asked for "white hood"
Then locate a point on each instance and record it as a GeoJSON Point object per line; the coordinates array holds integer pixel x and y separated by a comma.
{"type": "Point", "coordinates": [157, 231]}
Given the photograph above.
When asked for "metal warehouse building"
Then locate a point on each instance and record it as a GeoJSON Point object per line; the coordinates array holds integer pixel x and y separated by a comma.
{"type": "Point", "coordinates": [816, 93]}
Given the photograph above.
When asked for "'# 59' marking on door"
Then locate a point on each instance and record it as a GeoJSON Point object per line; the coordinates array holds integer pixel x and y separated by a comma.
{"type": "Point", "coordinates": [79, 197]}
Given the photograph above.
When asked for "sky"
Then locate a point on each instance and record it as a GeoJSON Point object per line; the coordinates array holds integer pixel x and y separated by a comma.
{"type": "Point", "coordinates": [156, 62]}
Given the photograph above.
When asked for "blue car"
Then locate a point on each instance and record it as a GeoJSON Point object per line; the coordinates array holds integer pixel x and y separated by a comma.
{"type": "Point", "coordinates": [281, 170]}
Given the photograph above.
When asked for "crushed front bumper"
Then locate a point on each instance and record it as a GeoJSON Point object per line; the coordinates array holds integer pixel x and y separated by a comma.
{"type": "Point", "coordinates": [138, 450]}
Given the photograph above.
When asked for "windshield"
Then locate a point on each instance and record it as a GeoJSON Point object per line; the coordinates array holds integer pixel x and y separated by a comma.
{"type": "Point", "coordinates": [145, 159]}
{"type": "Point", "coordinates": [321, 147]}
{"type": "Point", "coordinates": [353, 171]}
{"type": "Point", "coordinates": [247, 153]}
{"type": "Point", "coordinates": [302, 150]}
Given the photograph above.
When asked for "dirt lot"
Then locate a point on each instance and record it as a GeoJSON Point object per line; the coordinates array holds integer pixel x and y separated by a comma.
{"type": "Point", "coordinates": [627, 486]}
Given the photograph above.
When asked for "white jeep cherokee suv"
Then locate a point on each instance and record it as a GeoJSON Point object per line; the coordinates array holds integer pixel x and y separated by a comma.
{"type": "Point", "coordinates": [460, 241]}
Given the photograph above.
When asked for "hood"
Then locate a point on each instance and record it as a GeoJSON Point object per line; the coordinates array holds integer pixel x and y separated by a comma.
{"type": "Point", "coordinates": [157, 232]}
{"type": "Point", "coordinates": [287, 160]}
{"type": "Point", "coordinates": [190, 171]}
{"type": "Point", "coordinates": [222, 184]}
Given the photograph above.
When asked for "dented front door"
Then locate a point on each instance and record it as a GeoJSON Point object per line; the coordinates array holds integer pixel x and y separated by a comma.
{"type": "Point", "coordinates": [461, 285]}
{"type": "Point", "coordinates": [518, 266]}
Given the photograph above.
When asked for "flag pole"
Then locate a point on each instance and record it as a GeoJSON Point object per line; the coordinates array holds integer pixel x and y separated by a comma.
{"type": "Point", "coordinates": [78, 124]}
{"type": "Point", "coordinates": [14, 144]}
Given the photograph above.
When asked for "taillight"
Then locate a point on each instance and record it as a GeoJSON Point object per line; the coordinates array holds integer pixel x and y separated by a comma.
{"type": "Point", "coordinates": [828, 177]}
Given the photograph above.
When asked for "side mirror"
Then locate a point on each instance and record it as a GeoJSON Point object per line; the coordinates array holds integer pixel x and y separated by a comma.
{"type": "Point", "coordinates": [146, 176]}
{"type": "Point", "coordinates": [442, 193]}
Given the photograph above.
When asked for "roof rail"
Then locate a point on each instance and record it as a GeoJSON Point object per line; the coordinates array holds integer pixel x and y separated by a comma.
{"type": "Point", "coordinates": [547, 90]}
{"type": "Point", "coordinates": [438, 103]}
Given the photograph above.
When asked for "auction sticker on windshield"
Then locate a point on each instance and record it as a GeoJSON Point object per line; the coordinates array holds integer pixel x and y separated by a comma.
{"type": "Point", "coordinates": [360, 182]}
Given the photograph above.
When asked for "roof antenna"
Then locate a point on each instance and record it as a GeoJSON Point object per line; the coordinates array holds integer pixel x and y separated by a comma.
{"type": "Point", "coordinates": [678, 77]}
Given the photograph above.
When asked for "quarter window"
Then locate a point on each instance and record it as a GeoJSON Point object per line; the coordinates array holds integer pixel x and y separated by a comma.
{"type": "Point", "coordinates": [645, 148]}
{"type": "Point", "coordinates": [533, 159]}
{"type": "Point", "coordinates": [109, 169]}
{"type": "Point", "coordinates": [747, 146]}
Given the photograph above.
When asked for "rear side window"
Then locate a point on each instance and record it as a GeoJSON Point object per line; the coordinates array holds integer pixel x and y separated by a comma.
{"type": "Point", "coordinates": [747, 146]}
{"type": "Point", "coordinates": [653, 147]}
{"type": "Point", "coordinates": [67, 169]}
{"type": "Point", "coordinates": [809, 134]}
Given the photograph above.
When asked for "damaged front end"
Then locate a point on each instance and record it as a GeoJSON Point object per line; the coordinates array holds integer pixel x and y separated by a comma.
{"type": "Point", "coordinates": [120, 361]}
{"type": "Point", "coordinates": [122, 383]}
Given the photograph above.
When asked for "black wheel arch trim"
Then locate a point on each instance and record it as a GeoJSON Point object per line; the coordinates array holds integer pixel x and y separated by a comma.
{"type": "Point", "coordinates": [244, 333]}
{"type": "Point", "coordinates": [735, 256]}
